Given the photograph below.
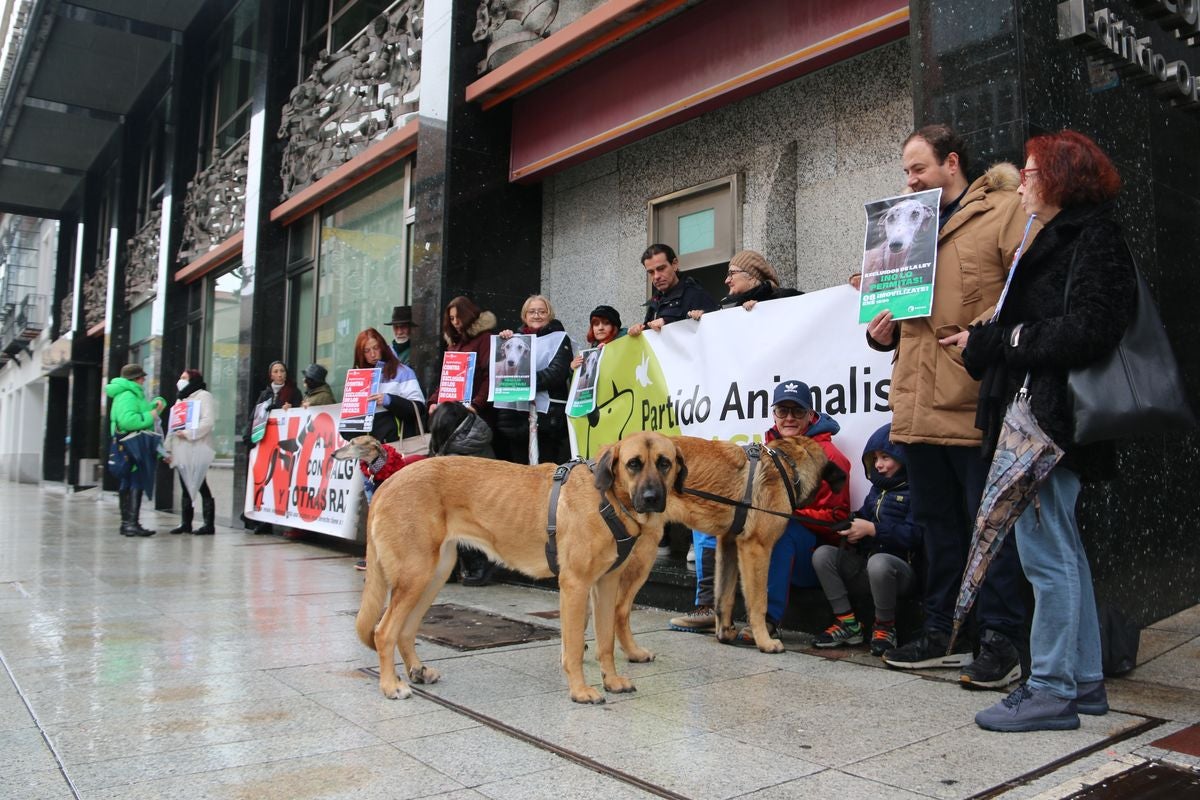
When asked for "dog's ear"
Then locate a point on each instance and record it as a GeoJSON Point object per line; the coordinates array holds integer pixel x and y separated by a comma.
{"type": "Point", "coordinates": [680, 472]}
{"type": "Point", "coordinates": [604, 468]}
{"type": "Point", "coordinates": [834, 475]}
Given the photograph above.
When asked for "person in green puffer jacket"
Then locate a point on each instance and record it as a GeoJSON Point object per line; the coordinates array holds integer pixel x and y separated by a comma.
{"type": "Point", "coordinates": [131, 412]}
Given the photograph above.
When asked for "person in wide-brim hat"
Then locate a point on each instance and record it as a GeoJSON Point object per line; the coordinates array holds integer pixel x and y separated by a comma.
{"type": "Point", "coordinates": [402, 325]}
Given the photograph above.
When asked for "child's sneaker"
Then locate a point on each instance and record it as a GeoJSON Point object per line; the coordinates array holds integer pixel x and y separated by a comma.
{"type": "Point", "coordinates": [845, 631]}
{"type": "Point", "coordinates": [883, 638]}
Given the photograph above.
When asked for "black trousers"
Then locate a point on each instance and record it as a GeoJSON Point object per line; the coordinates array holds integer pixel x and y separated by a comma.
{"type": "Point", "coordinates": [946, 484]}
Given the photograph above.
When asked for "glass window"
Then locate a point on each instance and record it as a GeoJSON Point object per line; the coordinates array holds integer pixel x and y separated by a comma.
{"type": "Point", "coordinates": [225, 351]}
{"type": "Point", "coordinates": [362, 271]}
{"type": "Point", "coordinates": [228, 83]}
{"type": "Point", "coordinates": [302, 309]}
{"type": "Point", "coordinates": [697, 231]}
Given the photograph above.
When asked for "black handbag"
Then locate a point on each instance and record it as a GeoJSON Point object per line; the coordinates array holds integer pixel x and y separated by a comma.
{"type": "Point", "coordinates": [1136, 389]}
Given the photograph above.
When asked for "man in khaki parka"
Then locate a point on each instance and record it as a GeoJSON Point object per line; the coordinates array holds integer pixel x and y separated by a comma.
{"type": "Point", "coordinates": [933, 399]}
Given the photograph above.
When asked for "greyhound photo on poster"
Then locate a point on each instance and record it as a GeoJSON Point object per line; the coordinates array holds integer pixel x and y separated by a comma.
{"type": "Point", "coordinates": [513, 378]}
{"type": "Point", "coordinates": [900, 256]}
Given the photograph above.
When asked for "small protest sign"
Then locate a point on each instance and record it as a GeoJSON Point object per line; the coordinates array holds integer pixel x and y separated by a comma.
{"type": "Point", "coordinates": [358, 409]}
{"type": "Point", "coordinates": [900, 256]}
{"type": "Point", "coordinates": [512, 378]}
{"type": "Point", "coordinates": [185, 416]}
{"type": "Point", "coordinates": [582, 399]}
{"type": "Point", "coordinates": [458, 378]}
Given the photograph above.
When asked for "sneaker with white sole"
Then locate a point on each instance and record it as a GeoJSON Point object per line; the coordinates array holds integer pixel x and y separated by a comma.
{"type": "Point", "coordinates": [1027, 709]}
{"type": "Point", "coordinates": [840, 633]}
{"type": "Point", "coordinates": [928, 651]}
{"type": "Point", "coordinates": [701, 620]}
{"type": "Point", "coordinates": [997, 665]}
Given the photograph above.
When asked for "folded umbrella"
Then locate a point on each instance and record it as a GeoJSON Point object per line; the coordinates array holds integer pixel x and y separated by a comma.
{"type": "Point", "coordinates": [142, 449]}
{"type": "Point", "coordinates": [1024, 456]}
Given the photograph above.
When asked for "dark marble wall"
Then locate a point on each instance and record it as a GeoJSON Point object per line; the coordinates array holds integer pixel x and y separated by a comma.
{"type": "Point", "coordinates": [997, 71]}
{"type": "Point", "coordinates": [476, 233]}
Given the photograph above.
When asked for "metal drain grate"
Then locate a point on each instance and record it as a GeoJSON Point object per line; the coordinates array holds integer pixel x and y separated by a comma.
{"type": "Point", "coordinates": [1145, 782]}
{"type": "Point", "coordinates": [472, 629]}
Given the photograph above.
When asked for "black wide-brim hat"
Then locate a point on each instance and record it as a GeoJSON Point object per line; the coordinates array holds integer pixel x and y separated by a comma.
{"type": "Point", "coordinates": [402, 315]}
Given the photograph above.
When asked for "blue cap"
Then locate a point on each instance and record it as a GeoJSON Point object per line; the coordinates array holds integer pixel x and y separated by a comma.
{"type": "Point", "coordinates": [793, 391]}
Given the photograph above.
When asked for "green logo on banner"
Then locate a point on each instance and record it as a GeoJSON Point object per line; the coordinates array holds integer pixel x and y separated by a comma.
{"type": "Point", "coordinates": [631, 395]}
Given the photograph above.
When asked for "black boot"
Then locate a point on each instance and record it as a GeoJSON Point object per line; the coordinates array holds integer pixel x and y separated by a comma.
{"type": "Point", "coordinates": [209, 509]}
{"type": "Point", "coordinates": [135, 508]}
{"type": "Point", "coordinates": [123, 503]}
{"type": "Point", "coordinates": [189, 513]}
{"type": "Point", "coordinates": [475, 566]}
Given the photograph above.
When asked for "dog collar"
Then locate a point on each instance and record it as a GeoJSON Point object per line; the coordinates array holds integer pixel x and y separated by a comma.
{"type": "Point", "coordinates": [378, 463]}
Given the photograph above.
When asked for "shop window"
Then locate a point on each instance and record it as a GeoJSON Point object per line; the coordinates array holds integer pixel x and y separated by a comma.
{"type": "Point", "coordinates": [228, 81]}
{"type": "Point", "coordinates": [702, 226]}
{"type": "Point", "coordinates": [348, 265]}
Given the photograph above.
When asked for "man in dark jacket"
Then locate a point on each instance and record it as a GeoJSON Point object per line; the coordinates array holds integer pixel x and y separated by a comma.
{"type": "Point", "coordinates": [673, 297]}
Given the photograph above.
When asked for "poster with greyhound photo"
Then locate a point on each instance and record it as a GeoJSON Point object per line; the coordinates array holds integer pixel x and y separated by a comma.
{"type": "Point", "coordinates": [581, 400]}
{"type": "Point", "coordinates": [512, 379]}
{"type": "Point", "coordinates": [900, 256]}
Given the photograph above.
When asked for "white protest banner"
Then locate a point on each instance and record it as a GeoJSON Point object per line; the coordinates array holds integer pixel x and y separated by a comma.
{"type": "Point", "coordinates": [715, 378]}
{"type": "Point", "coordinates": [293, 480]}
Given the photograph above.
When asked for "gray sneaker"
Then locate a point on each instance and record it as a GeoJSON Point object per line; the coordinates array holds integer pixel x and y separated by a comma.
{"type": "Point", "coordinates": [1028, 709]}
{"type": "Point", "coordinates": [700, 620]}
{"type": "Point", "coordinates": [1091, 698]}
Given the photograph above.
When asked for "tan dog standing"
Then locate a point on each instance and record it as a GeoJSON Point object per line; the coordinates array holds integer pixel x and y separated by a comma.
{"type": "Point", "coordinates": [418, 516]}
{"type": "Point", "coordinates": [721, 468]}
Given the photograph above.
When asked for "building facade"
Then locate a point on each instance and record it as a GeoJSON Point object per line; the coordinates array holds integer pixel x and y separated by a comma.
{"type": "Point", "coordinates": [234, 182]}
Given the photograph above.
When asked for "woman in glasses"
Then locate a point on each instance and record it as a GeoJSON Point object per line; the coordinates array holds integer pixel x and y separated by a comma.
{"type": "Point", "coordinates": [1070, 300]}
{"type": "Point", "coordinates": [751, 279]}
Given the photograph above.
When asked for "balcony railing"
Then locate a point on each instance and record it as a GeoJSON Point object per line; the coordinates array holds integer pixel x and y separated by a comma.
{"type": "Point", "coordinates": [24, 324]}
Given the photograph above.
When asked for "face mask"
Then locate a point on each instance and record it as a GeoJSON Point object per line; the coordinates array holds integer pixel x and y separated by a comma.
{"type": "Point", "coordinates": [181, 384]}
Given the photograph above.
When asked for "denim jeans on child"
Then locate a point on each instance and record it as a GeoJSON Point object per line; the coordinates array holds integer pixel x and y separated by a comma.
{"type": "Point", "coordinates": [1065, 640]}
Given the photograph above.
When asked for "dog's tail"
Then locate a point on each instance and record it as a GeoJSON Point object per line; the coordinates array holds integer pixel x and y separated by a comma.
{"type": "Point", "coordinates": [374, 595]}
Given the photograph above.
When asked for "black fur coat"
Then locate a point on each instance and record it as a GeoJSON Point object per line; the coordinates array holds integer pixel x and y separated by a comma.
{"type": "Point", "coordinates": [1053, 341]}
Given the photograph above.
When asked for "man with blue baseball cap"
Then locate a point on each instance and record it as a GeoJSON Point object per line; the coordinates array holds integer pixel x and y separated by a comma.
{"type": "Point", "coordinates": [791, 560]}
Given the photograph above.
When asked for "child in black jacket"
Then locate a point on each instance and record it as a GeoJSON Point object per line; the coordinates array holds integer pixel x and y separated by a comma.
{"type": "Point", "coordinates": [880, 546]}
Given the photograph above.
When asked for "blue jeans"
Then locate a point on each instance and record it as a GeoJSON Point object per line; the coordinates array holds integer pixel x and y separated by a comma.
{"type": "Point", "coordinates": [705, 580]}
{"type": "Point", "coordinates": [1065, 641]}
{"type": "Point", "coordinates": [791, 565]}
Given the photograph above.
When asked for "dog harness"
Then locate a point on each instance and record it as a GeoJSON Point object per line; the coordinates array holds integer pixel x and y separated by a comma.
{"type": "Point", "coordinates": [624, 541]}
{"type": "Point", "coordinates": [754, 453]}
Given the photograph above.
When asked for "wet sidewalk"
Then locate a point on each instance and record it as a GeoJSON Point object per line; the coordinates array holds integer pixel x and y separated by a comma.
{"type": "Point", "coordinates": [227, 667]}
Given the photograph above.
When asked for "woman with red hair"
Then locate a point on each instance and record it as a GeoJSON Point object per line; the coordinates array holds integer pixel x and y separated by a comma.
{"type": "Point", "coordinates": [1043, 330]}
{"type": "Point", "coordinates": [400, 399]}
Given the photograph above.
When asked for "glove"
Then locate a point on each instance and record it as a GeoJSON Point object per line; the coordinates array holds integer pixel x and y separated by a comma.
{"type": "Point", "coordinates": [985, 346]}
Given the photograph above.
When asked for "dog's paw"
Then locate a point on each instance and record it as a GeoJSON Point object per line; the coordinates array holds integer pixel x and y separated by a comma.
{"type": "Point", "coordinates": [775, 646]}
{"type": "Point", "coordinates": [640, 656]}
{"type": "Point", "coordinates": [398, 692]}
{"type": "Point", "coordinates": [619, 684]}
{"type": "Point", "coordinates": [587, 695]}
{"type": "Point", "coordinates": [424, 674]}
{"type": "Point", "coordinates": [727, 634]}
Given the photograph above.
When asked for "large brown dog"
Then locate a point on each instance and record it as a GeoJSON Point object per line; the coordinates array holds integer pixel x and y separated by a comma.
{"type": "Point", "coordinates": [418, 516]}
{"type": "Point", "coordinates": [722, 468]}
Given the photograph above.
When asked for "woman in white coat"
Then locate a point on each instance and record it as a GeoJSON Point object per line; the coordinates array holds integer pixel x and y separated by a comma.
{"type": "Point", "coordinates": [190, 451]}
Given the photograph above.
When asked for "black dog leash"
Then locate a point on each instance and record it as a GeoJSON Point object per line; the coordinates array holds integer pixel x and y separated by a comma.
{"type": "Point", "coordinates": [624, 541]}
{"type": "Point", "coordinates": [754, 453]}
